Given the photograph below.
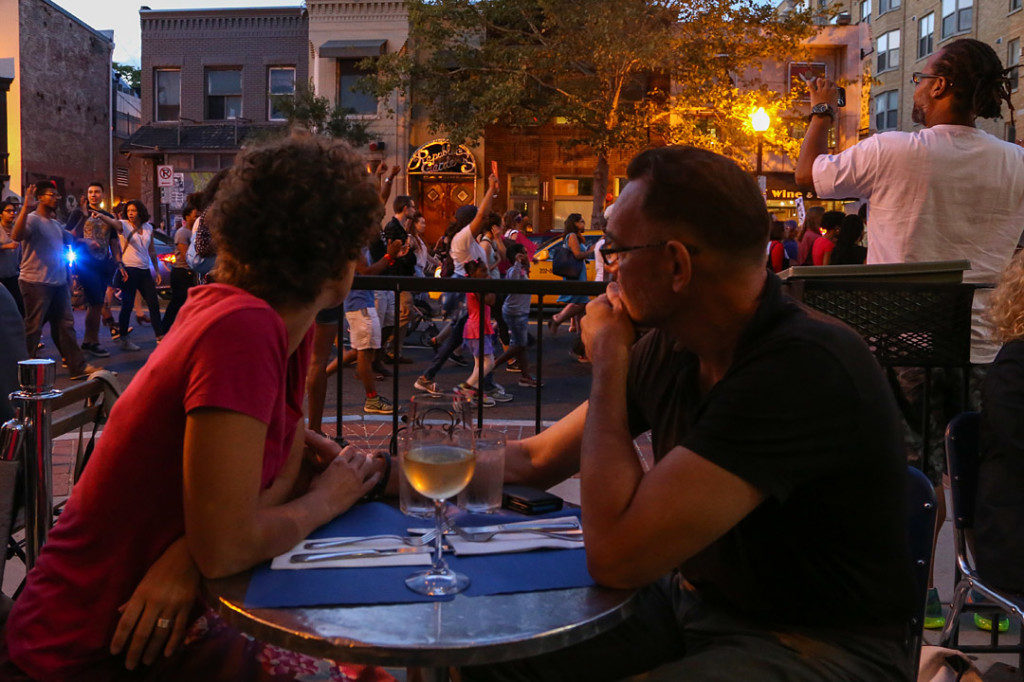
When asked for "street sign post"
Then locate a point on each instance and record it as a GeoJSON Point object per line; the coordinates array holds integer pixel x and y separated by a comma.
{"type": "Point", "coordinates": [165, 176]}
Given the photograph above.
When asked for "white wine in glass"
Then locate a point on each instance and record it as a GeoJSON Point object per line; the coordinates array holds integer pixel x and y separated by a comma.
{"type": "Point", "coordinates": [438, 463]}
{"type": "Point", "coordinates": [439, 471]}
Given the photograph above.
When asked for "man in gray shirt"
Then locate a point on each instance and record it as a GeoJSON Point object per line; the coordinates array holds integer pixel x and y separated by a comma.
{"type": "Point", "coordinates": [44, 277]}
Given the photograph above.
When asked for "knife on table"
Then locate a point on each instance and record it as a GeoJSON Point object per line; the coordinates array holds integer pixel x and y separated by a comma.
{"type": "Point", "coordinates": [516, 527]}
{"type": "Point", "coordinates": [312, 557]}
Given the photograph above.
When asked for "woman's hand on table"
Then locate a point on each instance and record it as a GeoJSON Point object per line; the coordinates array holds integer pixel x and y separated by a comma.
{"type": "Point", "coordinates": [320, 451]}
{"type": "Point", "coordinates": [155, 618]}
{"type": "Point", "coordinates": [346, 479]}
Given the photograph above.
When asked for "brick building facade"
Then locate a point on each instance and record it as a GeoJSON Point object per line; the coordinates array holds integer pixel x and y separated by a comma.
{"type": "Point", "coordinates": [207, 80]}
{"type": "Point", "coordinates": [59, 103]}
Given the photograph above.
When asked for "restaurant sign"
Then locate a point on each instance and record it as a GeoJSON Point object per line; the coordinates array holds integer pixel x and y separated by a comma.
{"type": "Point", "coordinates": [441, 156]}
{"type": "Point", "coordinates": [783, 187]}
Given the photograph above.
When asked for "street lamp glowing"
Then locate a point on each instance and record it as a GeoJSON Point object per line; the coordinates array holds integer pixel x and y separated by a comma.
{"type": "Point", "coordinates": [759, 120]}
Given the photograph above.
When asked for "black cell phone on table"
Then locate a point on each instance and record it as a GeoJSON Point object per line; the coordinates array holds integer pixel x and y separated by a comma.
{"type": "Point", "coordinates": [527, 500]}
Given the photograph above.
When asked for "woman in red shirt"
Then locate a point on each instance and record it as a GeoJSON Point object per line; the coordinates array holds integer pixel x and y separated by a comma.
{"type": "Point", "coordinates": [205, 467]}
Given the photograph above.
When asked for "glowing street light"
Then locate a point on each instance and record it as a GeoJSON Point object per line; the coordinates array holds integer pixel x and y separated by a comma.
{"type": "Point", "coordinates": [760, 122]}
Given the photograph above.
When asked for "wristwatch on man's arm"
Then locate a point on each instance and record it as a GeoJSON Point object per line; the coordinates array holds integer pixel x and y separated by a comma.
{"type": "Point", "coordinates": [823, 109]}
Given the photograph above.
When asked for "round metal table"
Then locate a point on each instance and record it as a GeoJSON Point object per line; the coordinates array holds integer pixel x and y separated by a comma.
{"type": "Point", "coordinates": [436, 635]}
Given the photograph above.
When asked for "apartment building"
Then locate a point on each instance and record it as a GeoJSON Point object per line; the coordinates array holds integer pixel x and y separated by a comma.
{"type": "Point", "coordinates": [906, 33]}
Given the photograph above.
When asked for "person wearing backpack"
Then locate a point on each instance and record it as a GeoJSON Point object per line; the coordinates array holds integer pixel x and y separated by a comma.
{"type": "Point", "coordinates": [574, 305]}
{"type": "Point", "coordinates": [202, 252]}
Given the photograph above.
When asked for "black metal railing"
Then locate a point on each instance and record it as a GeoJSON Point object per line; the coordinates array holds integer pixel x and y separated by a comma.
{"type": "Point", "coordinates": [541, 288]}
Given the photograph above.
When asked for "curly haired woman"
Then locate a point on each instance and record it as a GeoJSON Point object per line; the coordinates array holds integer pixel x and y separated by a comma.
{"type": "Point", "coordinates": [999, 517]}
{"type": "Point", "coordinates": [205, 468]}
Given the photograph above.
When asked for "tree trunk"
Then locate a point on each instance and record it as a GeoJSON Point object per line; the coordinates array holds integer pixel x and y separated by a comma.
{"type": "Point", "coordinates": [600, 190]}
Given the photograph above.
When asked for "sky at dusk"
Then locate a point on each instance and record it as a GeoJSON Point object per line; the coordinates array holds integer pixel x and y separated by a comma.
{"type": "Point", "coordinates": [123, 17]}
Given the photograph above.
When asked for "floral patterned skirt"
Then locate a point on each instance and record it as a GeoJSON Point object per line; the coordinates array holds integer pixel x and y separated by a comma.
{"type": "Point", "coordinates": [213, 650]}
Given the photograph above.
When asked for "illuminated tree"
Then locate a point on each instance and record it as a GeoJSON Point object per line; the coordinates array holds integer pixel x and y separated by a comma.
{"type": "Point", "coordinates": [623, 74]}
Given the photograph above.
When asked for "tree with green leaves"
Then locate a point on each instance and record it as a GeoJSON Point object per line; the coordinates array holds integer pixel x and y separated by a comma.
{"type": "Point", "coordinates": [623, 74]}
{"type": "Point", "coordinates": [132, 75]}
{"type": "Point", "coordinates": [317, 115]}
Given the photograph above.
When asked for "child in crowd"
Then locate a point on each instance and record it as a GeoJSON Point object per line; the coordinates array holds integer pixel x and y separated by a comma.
{"type": "Point", "coordinates": [483, 363]}
{"type": "Point", "coordinates": [516, 310]}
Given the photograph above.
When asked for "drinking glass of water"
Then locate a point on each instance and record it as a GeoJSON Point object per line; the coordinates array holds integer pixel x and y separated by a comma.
{"type": "Point", "coordinates": [483, 494]}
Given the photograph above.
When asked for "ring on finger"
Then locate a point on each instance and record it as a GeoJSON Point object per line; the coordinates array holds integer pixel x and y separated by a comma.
{"type": "Point", "coordinates": [164, 623]}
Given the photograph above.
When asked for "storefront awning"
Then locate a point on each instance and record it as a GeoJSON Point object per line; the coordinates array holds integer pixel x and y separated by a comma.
{"type": "Point", "coordinates": [353, 49]}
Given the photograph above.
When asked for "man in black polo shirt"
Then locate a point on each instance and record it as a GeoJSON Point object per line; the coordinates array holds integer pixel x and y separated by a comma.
{"type": "Point", "coordinates": [404, 208]}
{"type": "Point", "coordinates": [767, 544]}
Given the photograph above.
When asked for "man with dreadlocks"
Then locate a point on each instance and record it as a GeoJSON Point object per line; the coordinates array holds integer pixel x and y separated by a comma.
{"type": "Point", "coordinates": [946, 192]}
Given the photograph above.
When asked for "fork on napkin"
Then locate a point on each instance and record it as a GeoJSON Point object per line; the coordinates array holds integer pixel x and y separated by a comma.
{"type": "Point", "coordinates": [515, 540]}
{"type": "Point", "coordinates": [409, 556]}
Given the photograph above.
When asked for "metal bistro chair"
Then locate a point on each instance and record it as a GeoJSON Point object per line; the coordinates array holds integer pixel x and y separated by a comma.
{"type": "Point", "coordinates": [921, 510]}
{"type": "Point", "coordinates": [906, 324]}
{"type": "Point", "coordinates": [962, 455]}
{"type": "Point", "coordinates": [26, 492]}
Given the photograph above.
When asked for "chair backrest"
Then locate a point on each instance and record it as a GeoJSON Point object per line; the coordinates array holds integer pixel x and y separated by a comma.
{"type": "Point", "coordinates": [906, 324]}
{"type": "Point", "coordinates": [920, 527]}
{"type": "Point", "coordinates": [962, 452]}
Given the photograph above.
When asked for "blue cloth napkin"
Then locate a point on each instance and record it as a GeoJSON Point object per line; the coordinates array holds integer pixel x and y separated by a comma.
{"type": "Point", "coordinates": [490, 574]}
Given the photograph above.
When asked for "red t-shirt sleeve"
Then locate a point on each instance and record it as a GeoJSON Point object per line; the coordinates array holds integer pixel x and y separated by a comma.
{"type": "Point", "coordinates": [777, 254]}
{"type": "Point", "coordinates": [239, 364]}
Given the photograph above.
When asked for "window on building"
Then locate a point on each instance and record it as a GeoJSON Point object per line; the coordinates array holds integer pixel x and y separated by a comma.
{"type": "Point", "coordinates": [887, 6]}
{"type": "Point", "coordinates": [926, 35]}
{"type": "Point", "coordinates": [349, 97]}
{"type": "Point", "coordinates": [281, 83]}
{"type": "Point", "coordinates": [887, 110]}
{"type": "Point", "coordinates": [168, 94]}
{"type": "Point", "coordinates": [1012, 60]}
{"type": "Point", "coordinates": [572, 195]}
{"type": "Point", "coordinates": [1015, 5]}
{"type": "Point", "coordinates": [865, 10]}
{"type": "Point", "coordinates": [223, 94]}
{"type": "Point", "coordinates": [888, 48]}
{"type": "Point", "coordinates": [957, 16]}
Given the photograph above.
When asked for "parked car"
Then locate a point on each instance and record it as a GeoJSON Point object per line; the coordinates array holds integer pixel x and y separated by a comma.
{"type": "Point", "coordinates": [539, 239]}
{"type": "Point", "coordinates": [541, 268]}
{"type": "Point", "coordinates": [166, 255]}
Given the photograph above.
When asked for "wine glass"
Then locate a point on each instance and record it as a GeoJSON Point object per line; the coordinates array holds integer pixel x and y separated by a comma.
{"type": "Point", "coordinates": [444, 411]}
{"type": "Point", "coordinates": [438, 462]}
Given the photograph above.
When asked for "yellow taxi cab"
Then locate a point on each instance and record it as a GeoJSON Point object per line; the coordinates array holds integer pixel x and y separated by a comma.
{"type": "Point", "coordinates": [540, 269]}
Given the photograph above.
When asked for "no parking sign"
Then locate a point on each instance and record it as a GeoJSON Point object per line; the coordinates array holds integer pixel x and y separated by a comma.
{"type": "Point", "coordinates": [165, 176]}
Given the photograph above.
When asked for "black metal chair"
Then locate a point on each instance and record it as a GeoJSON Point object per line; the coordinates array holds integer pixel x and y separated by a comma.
{"type": "Point", "coordinates": [906, 324]}
{"type": "Point", "coordinates": [962, 456]}
{"type": "Point", "coordinates": [921, 523]}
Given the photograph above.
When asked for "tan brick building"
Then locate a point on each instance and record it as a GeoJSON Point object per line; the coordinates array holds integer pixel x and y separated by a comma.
{"type": "Point", "coordinates": [906, 33]}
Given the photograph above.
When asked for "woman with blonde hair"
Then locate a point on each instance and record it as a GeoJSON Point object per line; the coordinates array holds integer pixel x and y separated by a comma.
{"type": "Point", "coordinates": [999, 515]}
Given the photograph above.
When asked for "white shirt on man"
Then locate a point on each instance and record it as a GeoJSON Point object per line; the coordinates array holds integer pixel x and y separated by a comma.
{"type": "Point", "coordinates": [464, 248]}
{"type": "Point", "coordinates": [947, 192]}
